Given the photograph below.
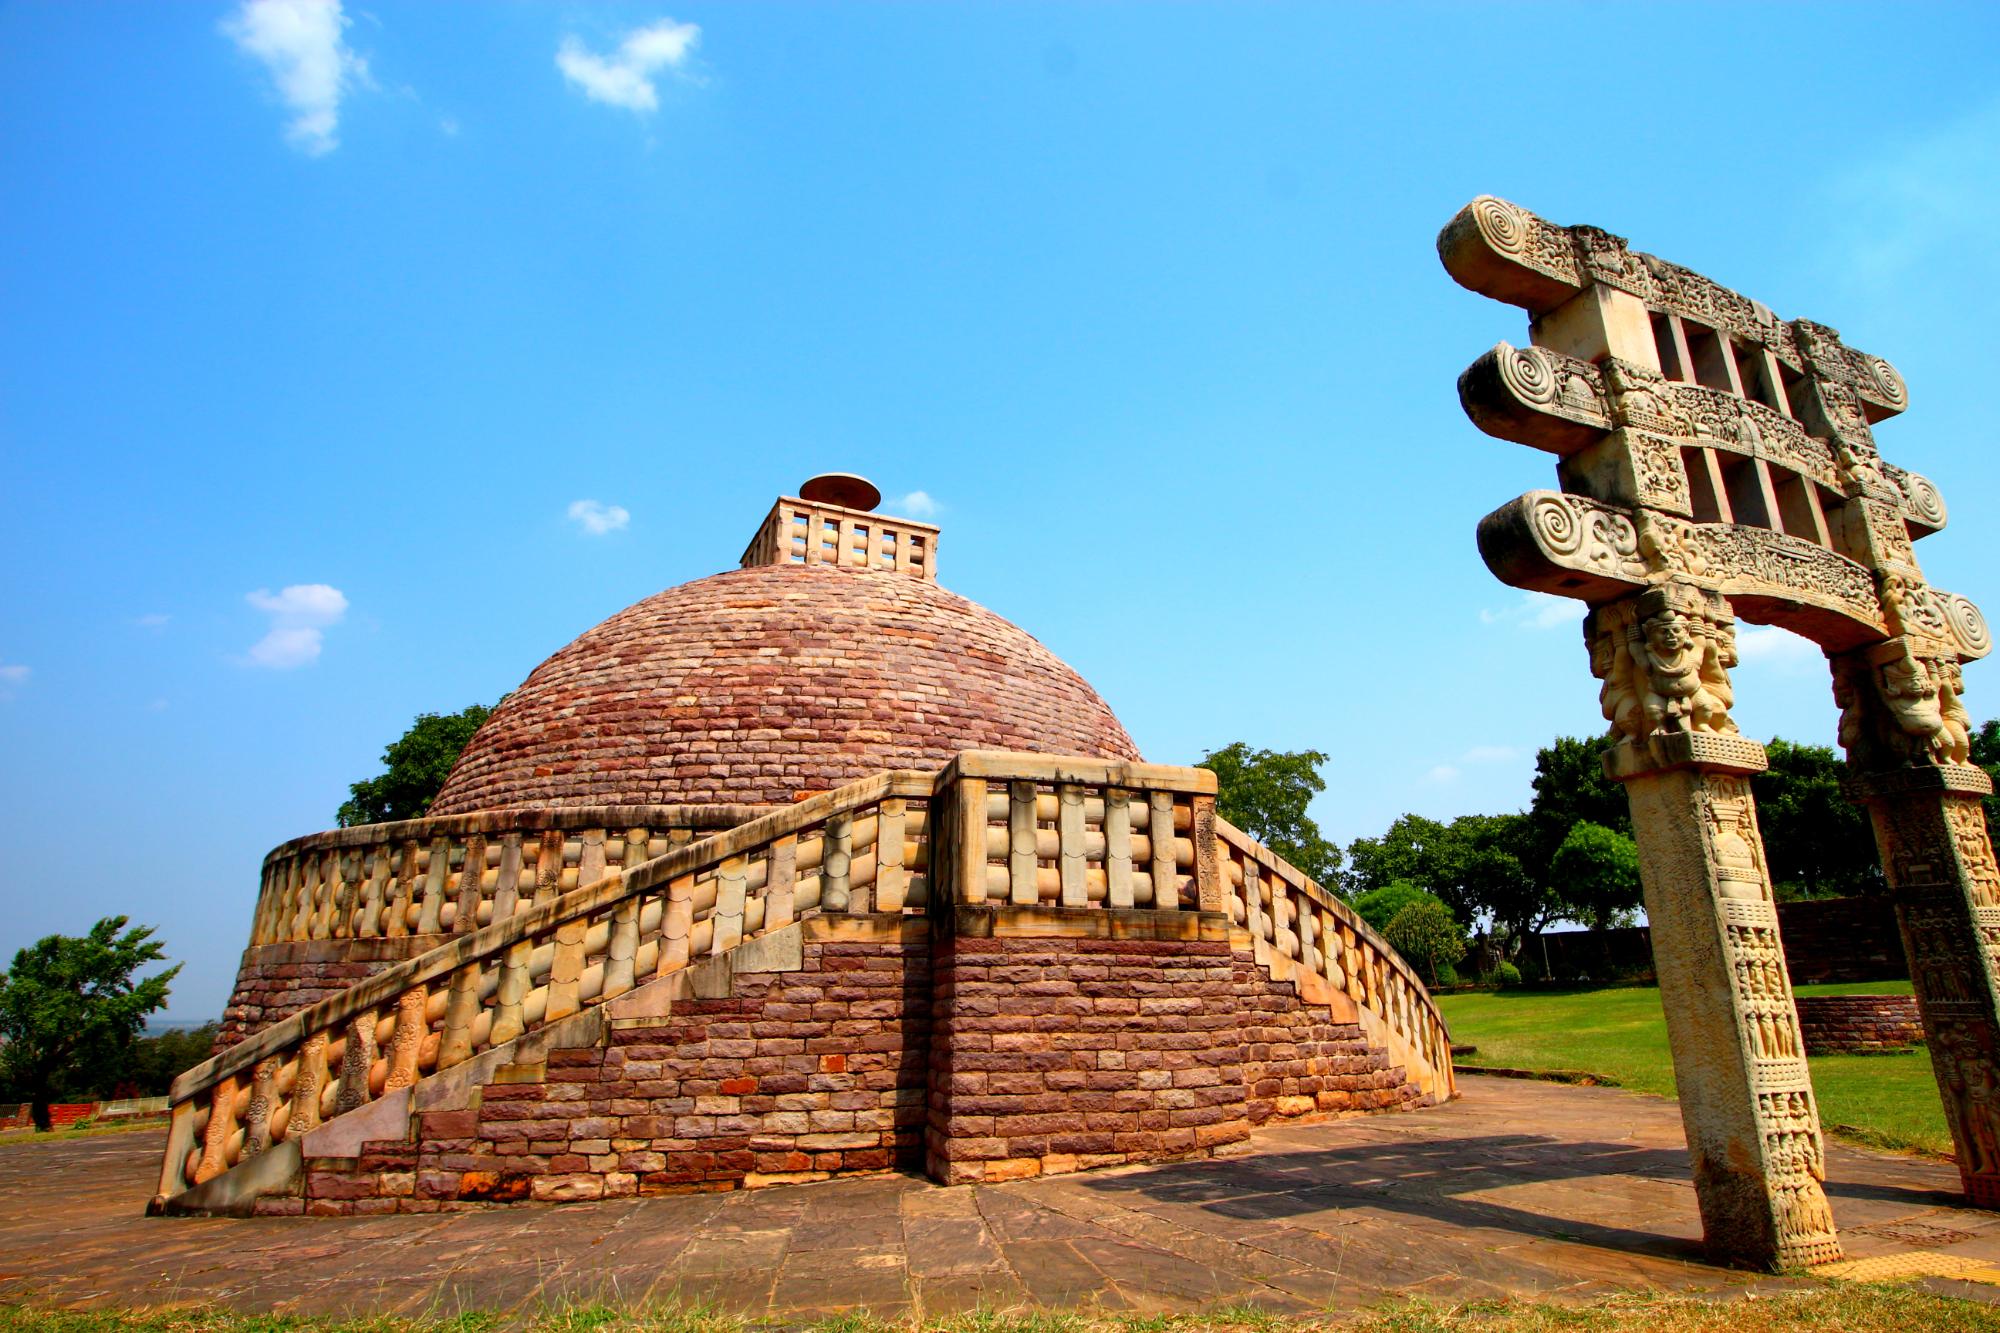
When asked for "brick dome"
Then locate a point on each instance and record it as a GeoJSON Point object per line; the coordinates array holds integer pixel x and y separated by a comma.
{"type": "Point", "coordinates": [758, 684]}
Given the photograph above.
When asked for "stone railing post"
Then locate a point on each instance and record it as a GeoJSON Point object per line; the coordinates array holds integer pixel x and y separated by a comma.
{"type": "Point", "coordinates": [1907, 740]}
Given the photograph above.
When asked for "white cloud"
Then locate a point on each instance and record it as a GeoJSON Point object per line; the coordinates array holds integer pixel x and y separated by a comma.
{"type": "Point", "coordinates": [301, 45]}
{"type": "Point", "coordinates": [1537, 610]}
{"type": "Point", "coordinates": [11, 676]}
{"type": "Point", "coordinates": [1441, 774]}
{"type": "Point", "coordinates": [299, 617]}
{"type": "Point", "coordinates": [153, 620]}
{"type": "Point", "coordinates": [449, 124]}
{"type": "Point", "coordinates": [1489, 754]}
{"type": "Point", "coordinates": [1778, 650]}
{"type": "Point", "coordinates": [625, 77]}
{"type": "Point", "coordinates": [917, 504]}
{"type": "Point", "coordinates": [598, 519]}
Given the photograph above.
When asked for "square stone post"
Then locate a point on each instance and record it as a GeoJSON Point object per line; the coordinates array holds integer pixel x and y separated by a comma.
{"type": "Point", "coordinates": [1745, 1094]}
{"type": "Point", "coordinates": [1931, 832]}
{"type": "Point", "coordinates": [1907, 737]}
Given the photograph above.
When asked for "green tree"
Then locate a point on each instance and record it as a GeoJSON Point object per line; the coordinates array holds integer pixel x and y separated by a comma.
{"type": "Point", "coordinates": [1413, 848]}
{"type": "Point", "coordinates": [160, 1059]}
{"type": "Point", "coordinates": [1378, 907]}
{"type": "Point", "coordinates": [1426, 934]}
{"type": "Point", "coordinates": [1570, 786]}
{"type": "Point", "coordinates": [70, 1012]}
{"type": "Point", "coordinates": [1817, 843]}
{"type": "Point", "coordinates": [418, 762]}
{"type": "Point", "coordinates": [1595, 873]}
{"type": "Point", "coordinates": [1265, 793]}
{"type": "Point", "coordinates": [1986, 754]}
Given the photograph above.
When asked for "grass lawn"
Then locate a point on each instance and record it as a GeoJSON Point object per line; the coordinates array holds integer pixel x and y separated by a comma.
{"type": "Point", "coordinates": [1618, 1035]}
{"type": "Point", "coordinates": [1831, 1309]}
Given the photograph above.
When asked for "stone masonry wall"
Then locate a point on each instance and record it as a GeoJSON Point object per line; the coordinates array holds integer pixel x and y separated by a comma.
{"type": "Point", "coordinates": [1054, 1054]}
{"type": "Point", "coordinates": [275, 981]}
{"type": "Point", "coordinates": [1837, 1023]}
{"type": "Point", "coordinates": [795, 1075]}
{"type": "Point", "coordinates": [1021, 1041]}
{"type": "Point", "coordinates": [1301, 1060]}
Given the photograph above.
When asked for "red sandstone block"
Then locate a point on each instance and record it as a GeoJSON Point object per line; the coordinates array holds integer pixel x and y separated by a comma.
{"type": "Point", "coordinates": [339, 1185]}
{"type": "Point", "coordinates": [731, 1087]}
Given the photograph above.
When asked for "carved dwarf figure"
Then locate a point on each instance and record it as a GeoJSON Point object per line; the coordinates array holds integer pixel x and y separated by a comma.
{"type": "Point", "coordinates": [1901, 708]}
{"type": "Point", "coordinates": [1685, 657]}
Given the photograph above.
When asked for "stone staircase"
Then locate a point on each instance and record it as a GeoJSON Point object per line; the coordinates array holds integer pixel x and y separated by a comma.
{"type": "Point", "coordinates": [1019, 964]}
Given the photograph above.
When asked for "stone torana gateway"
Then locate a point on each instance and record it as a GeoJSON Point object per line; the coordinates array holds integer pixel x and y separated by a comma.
{"type": "Point", "coordinates": [1715, 462]}
{"type": "Point", "coordinates": [807, 868]}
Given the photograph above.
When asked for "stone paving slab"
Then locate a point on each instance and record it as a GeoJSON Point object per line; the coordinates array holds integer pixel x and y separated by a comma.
{"type": "Point", "coordinates": [1518, 1188]}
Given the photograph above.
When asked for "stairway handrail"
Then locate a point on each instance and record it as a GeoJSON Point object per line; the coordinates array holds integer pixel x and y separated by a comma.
{"type": "Point", "coordinates": [579, 903]}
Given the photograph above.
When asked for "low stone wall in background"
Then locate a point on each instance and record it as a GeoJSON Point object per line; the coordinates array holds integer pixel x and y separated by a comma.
{"type": "Point", "coordinates": [1827, 940]}
{"type": "Point", "coordinates": [1846, 1024]}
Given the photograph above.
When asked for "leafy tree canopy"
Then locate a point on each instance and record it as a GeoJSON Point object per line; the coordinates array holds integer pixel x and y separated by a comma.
{"type": "Point", "coordinates": [70, 1011]}
{"type": "Point", "coordinates": [1817, 843]}
{"type": "Point", "coordinates": [1378, 907]}
{"type": "Point", "coordinates": [418, 763]}
{"type": "Point", "coordinates": [1596, 871]}
{"type": "Point", "coordinates": [1425, 933]}
{"type": "Point", "coordinates": [1265, 793]}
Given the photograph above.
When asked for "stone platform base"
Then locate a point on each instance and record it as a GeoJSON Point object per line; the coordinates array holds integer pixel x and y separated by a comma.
{"type": "Point", "coordinates": [1849, 1024]}
{"type": "Point", "coordinates": [999, 1044]}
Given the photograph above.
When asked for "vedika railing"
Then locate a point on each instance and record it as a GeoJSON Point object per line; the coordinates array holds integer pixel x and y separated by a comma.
{"type": "Point", "coordinates": [999, 828]}
{"type": "Point", "coordinates": [1080, 832]}
{"type": "Point", "coordinates": [856, 849]}
{"type": "Point", "coordinates": [1290, 915]}
{"type": "Point", "coordinates": [455, 873]}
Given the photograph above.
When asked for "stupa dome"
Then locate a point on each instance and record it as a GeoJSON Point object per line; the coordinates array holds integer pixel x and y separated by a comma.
{"type": "Point", "coordinates": [760, 684]}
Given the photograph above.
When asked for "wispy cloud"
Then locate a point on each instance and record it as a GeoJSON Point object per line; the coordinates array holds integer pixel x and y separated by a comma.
{"type": "Point", "coordinates": [1489, 754]}
{"type": "Point", "coordinates": [152, 620]}
{"type": "Point", "coordinates": [917, 504]}
{"type": "Point", "coordinates": [1908, 200]}
{"type": "Point", "coordinates": [1536, 610]}
{"type": "Point", "coordinates": [12, 677]}
{"type": "Point", "coordinates": [299, 616]}
{"type": "Point", "coordinates": [598, 519]}
{"type": "Point", "coordinates": [303, 47]}
{"type": "Point", "coordinates": [625, 77]}
{"type": "Point", "coordinates": [1445, 774]}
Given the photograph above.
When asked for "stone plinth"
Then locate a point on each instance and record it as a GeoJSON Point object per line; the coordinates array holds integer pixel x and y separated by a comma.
{"type": "Point", "coordinates": [1859, 1024]}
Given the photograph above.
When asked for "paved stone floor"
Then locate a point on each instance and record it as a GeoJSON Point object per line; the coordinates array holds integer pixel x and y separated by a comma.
{"type": "Point", "coordinates": [1517, 1188]}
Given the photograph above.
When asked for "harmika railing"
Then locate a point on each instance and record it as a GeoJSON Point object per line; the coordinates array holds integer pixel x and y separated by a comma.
{"type": "Point", "coordinates": [455, 873]}
{"type": "Point", "coordinates": [1003, 828]}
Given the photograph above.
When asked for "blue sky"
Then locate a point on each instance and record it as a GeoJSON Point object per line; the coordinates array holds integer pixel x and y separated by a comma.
{"type": "Point", "coordinates": [318, 327]}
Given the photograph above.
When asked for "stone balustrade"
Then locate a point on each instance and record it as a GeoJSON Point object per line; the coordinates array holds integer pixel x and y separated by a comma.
{"type": "Point", "coordinates": [836, 852]}
{"type": "Point", "coordinates": [1295, 924]}
{"type": "Point", "coordinates": [1051, 844]}
{"type": "Point", "coordinates": [456, 873]}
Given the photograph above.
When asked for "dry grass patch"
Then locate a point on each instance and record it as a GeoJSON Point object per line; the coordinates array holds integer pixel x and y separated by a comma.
{"type": "Point", "coordinates": [1845, 1308]}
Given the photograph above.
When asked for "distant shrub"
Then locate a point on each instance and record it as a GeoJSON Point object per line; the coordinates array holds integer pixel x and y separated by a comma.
{"type": "Point", "coordinates": [1426, 934]}
{"type": "Point", "coordinates": [1506, 974]}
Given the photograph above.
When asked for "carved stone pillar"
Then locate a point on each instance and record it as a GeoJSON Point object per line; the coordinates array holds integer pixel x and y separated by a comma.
{"type": "Point", "coordinates": [1739, 1059]}
{"type": "Point", "coordinates": [1907, 742]}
